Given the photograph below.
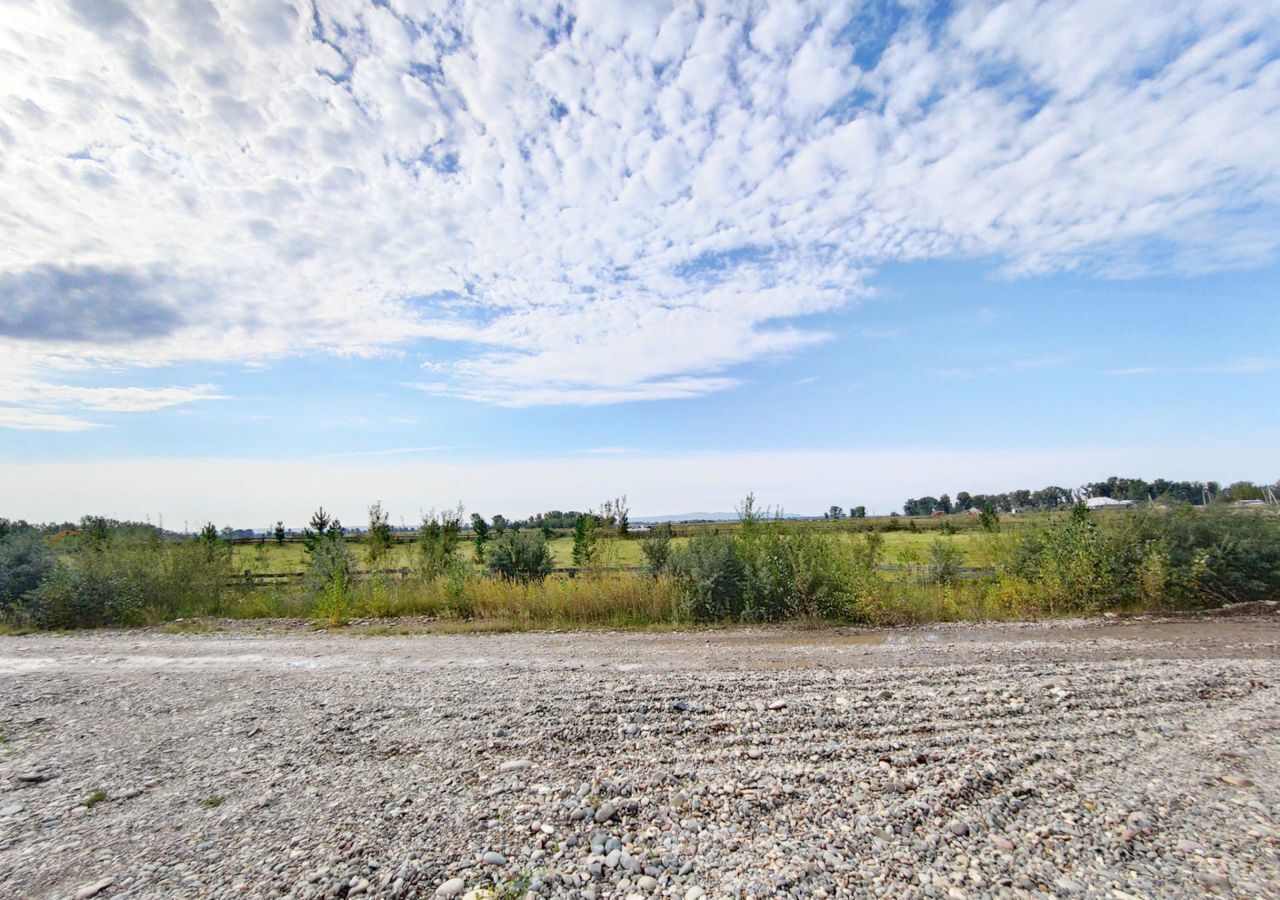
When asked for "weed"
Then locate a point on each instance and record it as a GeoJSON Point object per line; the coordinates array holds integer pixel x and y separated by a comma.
{"type": "Point", "coordinates": [94, 799]}
{"type": "Point", "coordinates": [212, 802]}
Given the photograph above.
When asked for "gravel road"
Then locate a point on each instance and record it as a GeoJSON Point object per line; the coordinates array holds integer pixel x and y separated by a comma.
{"type": "Point", "coordinates": [1120, 758]}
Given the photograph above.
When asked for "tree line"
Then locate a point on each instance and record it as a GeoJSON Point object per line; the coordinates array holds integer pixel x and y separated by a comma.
{"type": "Point", "coordinates": [1053, 497]}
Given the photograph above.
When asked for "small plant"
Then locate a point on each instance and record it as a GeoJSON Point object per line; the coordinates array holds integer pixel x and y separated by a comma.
{"type": "Point", "coordinates": [212, 802]}
{"type": "Point", "coordinates": [988, 519]}
{"type": "Point", "coordinates": [94, 799]}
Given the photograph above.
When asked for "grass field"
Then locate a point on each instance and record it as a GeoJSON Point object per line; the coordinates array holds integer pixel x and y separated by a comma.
{"type": "Point", "coordinates": [905, 548]}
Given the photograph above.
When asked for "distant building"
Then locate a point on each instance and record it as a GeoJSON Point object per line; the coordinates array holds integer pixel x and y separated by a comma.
{"type": "Point", "coordinates": [936, 513]}
{"type": "Point", "coordinates": [973, 511]}
{"type": "Point", "coordinates": [1250, 503]}
{"type": "Point", "coordinates": [1106, 503]}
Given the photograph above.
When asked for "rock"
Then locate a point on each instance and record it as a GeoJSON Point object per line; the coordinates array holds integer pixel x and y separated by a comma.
{"type": "Point", "coordinates": [32, 777]}
{"type": "Point", "coordinates": [492, 858]}
{"type": "Point", "coordinates": [6, 811]}
{"type": "Point", "coordinates": [515, 765]}
{"type": "Point", "coordinates": [778, 704]}
{"type": "Point", "coordinates": [1002, 842]}
{"type": "Point", "coordinates": [1213, 879]}
{"type": "Point", "coordinates": [1237, 781]}
{"type": "Point", "coordinates": [451, 888]}
{"type": "Point", "coordinates": [647, 883]}
{"type": "Point", "coordinates": [694, 893]}
{"type": "Point", "coordinates": [959, 829]}
{"type": "Point", "coordinates": [606, 812]}
{"type": "Point", "coordinates": [93, 889]}
{"type": "Point", "coordinates": [1187, 846]}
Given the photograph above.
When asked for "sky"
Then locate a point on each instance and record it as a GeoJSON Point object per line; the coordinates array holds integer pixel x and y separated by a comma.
{"type": "Point", "coordinates": [261, 256]}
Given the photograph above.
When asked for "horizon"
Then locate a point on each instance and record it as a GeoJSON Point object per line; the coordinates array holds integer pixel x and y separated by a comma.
{"type": "Point", "coordinates": [264, 257]}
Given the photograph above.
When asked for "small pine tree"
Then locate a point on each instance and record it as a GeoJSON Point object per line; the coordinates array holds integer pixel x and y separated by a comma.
{"type": "Point", "coordinates": [378, 544]}
{"type": "Point", "coordinates": [479, 535]}
{"type": "Point", "coordinates": [279, 532]}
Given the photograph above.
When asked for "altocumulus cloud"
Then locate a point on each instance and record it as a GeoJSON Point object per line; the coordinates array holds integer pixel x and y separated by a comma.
{"type": "Point", "coordinates": [598, 202]}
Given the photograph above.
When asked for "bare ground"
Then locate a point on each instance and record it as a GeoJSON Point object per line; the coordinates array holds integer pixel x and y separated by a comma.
{"type": "Point", "coordinates": [1113, 758]}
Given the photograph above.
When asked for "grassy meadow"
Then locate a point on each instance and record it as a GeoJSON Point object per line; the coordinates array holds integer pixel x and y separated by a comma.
{"type": "Point", "coordinates": [760, 570]}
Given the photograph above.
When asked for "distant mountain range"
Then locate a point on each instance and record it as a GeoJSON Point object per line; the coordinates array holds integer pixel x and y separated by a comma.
{"type": "Point", "coordinates": [702, 517]}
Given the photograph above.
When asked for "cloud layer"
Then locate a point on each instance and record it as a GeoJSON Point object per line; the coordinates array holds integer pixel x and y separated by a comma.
{"type": "Point", "coordinates": [618, 201]}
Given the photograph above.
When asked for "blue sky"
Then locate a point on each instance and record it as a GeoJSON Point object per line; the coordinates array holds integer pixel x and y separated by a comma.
{"type": "Point", "coordinates": [257, 258]}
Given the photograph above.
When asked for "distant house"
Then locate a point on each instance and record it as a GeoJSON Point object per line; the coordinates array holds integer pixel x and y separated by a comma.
{"type": "Point", "coordinates": [973, 511]}
{"type": "Point", "coordinates": [1106, 503]}
{"type": "Point", "coordinates": [936, 514]}
{"type": "Point", "coordinates": [1250, 503]}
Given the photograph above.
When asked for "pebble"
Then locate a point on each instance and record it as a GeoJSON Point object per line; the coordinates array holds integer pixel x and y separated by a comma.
{"type": "Point", "coordinates": [94, 888]}
{"type": "Point", "coordinates": [451, 888]}
{"type": "Point", "coordinates": [515, 765]}
{"type": "Point", "coordinates": [606, 812]}
{"type": "Point", "coordinates": [492, 858]}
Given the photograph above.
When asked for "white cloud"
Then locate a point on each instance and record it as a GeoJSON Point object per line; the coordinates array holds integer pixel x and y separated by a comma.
{"type": "Point", "coordinates": [622, 205]}
{"type": "Point", "coordinates": [31, 420]}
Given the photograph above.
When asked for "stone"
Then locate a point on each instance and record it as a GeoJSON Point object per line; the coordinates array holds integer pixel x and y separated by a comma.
{"type": "Point", "coordinates": [606, 812]}
{"type": "Point", "coordinates": [492, 858]}
{"type": "Point", "coordinates": [451, 888]}
{"type": "Point", "coordinates": [515, 765]}
{"type": "Point", "coordinates": [94, 888]}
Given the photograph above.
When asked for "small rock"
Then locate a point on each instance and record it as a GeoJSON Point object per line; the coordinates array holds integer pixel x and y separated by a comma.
{"type": "Point", "coordinates": [647, 883]}
{"type": "Point", "coordinates": [778, 704]}
{"type": "Point", "coordinates": [959, 829]}
{"type": "Point", "coordinates": [1213, 879]}
{"type": "Point", "coordinates": [515, 765]}
{"type": "Point", "coordinates": [93, 889]}
{"type": "Point", "coordinates": [492, 858]}
{"type": "Point", "coordinates": [451, 888]}
{"type": "Point", "coordinates": [606, 812]}
{"type": "Point", "coordinates": [6, 811]}
{"type": "Point", "coordinates": [694, 893]}
{"type": "Point", "coordinates": [1002, 842]}
{"type": "Point", "coordinates": [32, 777]}
{"type": "Point", "coordinates": [1237, 781]}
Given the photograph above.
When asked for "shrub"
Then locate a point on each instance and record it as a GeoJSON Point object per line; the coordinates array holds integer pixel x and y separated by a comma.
{"type": "Point", "coordinates": [520, 556]}
{"type": "Point", "coordinates": [25, 562]}
{"type": "Point", "coordinates": [438, 538]}
{"type": "Point", "coordinates": [331, 563]}
{"type": "Point", "coordinates": [586, 537]}
{"type": "Point", "coordinates": [710, 577]}
{"type": "Point", "coordinates": [656, 547]}
{"type": "Point", "coordinates": [945, 561]}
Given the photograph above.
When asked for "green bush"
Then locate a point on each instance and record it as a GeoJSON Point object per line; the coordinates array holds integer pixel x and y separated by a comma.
{"type": "Point", "coordinates": [710, 577]}
{"type": "Point", "coordinates": [26, 561]}
{"type": "Point", "coordinates": [656, 548]}
{"type": "Point", "coordinates": [520, 556]}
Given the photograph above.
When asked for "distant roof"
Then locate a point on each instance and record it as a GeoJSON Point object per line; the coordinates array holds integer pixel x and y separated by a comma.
{"type": "Point", "coordinates": [1098, 502]}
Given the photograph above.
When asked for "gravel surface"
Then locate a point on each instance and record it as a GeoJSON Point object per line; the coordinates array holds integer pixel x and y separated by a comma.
{"type": "Point", "coordinates": [1108, 758]}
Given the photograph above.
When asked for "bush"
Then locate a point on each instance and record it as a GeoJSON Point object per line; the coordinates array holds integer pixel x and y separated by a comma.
{"type": "Point", "coordinates": [656, 547]}
{"type": "Point", "coordinates": [26, 561]}
{"type": "Point", "coordinates": [520, 556]}
{"type": "Point", "coordinates": [793, 571]}
{"type": "Point", "coordinates": [710, 577]}
{"type": "Point", "coordinates": [438, 538]}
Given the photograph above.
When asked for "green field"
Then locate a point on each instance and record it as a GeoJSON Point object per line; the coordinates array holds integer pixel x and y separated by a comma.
{"type": "Point", "coordinates": [905, 548]}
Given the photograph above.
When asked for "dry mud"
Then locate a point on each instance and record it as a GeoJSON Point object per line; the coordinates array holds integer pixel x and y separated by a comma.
{"type": "Point", "coordinates": [1081, 758]}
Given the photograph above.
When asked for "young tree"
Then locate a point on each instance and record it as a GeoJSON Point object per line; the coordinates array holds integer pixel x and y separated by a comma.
{"type": "Point", "coordinates": [656, 547]}
{"type": "Point", "coordinates": [586, 536]}
{"type": "Point", "coordinates": [378, 541]}
{"type": "Point", "coordinates": [988, 520]}
{"type": "Point", "coordinates": [835, 512]}
{"type": "Point", "coordinates": [479, 534]}
{"type": "Point", "coordinates": [438, 538]}
{"type": "Point", "coordinates": [857, 512]}
{"type": "Point", "coordinates": [279, 532]}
